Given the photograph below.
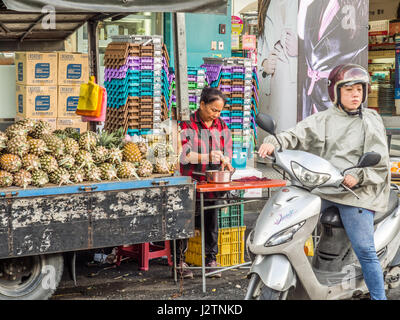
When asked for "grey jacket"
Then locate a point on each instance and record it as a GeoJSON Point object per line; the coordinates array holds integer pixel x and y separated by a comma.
{"type": "Point", "coordinates": [341, 139]}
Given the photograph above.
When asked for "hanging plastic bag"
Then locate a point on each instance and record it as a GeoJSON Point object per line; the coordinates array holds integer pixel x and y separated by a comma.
{"type": "Point", "coordinates": [102, 116]}
{"type": "Point", "coordinates": [89, 95]}
{"type": "Point", "coordinates": [97, 111]}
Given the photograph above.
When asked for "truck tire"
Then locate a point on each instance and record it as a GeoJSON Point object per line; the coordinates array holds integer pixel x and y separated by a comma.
{"type": "Point", "coordinates": [30, 278]}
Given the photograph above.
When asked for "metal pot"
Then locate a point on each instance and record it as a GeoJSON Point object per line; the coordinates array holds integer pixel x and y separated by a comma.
{"type": "Point", "coordinates": [216, 176]}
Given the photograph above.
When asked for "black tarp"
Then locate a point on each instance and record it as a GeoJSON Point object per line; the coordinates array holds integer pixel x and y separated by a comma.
{"type": "Point", "coordinates": [195, 6]}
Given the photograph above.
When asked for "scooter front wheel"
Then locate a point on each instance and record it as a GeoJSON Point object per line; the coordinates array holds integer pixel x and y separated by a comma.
{"type": "Point", "coordinates": [257, 290]}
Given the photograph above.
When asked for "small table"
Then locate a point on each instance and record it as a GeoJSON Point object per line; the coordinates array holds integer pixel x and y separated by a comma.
{"type": "Point", "coordinates": [234, 185]}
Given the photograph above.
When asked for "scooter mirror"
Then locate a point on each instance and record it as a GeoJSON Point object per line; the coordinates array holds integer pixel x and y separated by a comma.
{"type": "Point", "coordinates": [265, 122]}
{"type": "Point", "coordinates": [369, 159]}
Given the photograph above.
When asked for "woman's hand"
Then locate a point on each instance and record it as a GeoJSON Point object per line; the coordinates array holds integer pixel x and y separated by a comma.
{"type": "Point", "coordinates": [225, 165]}
{"type": "Point", "coordinates": [216, 156]}
{"type": "Point", "coordinates": [349, 181]}
{"type": "Point", "coordinates": [266, 149]}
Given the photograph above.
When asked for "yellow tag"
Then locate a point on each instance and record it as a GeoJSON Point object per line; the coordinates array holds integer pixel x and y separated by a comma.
{"type": "Point", "coordinates": [309, 247]}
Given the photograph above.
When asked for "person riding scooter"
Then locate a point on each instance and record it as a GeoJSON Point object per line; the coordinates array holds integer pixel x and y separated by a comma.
{"type": "Point", "coordinates": [341, 134]}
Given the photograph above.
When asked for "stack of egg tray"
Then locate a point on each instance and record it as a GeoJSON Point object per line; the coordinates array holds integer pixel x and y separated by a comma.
{"type": "Point", "coordinates": [137, 81]}
{"type": "Point", "coordinates": [196, 82]}
{"type": "Point", "coordinates": [237, 79]}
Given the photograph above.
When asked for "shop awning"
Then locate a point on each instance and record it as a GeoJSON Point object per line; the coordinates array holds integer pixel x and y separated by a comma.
{"type": "Point", "coordinates": [196, 6]}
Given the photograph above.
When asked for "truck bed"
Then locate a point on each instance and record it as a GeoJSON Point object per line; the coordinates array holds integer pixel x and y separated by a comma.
{"type": "Point", "coordinates": [95, 215]}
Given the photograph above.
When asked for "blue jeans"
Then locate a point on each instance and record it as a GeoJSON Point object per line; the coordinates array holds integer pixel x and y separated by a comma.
{"type": "Point", "coordinates": [359, 226]}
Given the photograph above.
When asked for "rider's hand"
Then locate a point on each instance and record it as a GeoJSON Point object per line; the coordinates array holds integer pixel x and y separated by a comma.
{"type": "Point", "coordinates": [266, 149]}
{"type": "Point", "coordinates": [349, 181]}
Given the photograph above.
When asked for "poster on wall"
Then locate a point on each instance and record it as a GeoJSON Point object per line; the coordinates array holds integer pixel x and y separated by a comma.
{"type": "Point", "coordinates": [236, 25]}
{"type": "Point", "coordinates": [249, 42]}
{"type": "Point", "coordinates": [235, 42]}
{"type": "Point", "coordinates": [277, 55]}
{"type": "Point", "coordinates": [331, 32]}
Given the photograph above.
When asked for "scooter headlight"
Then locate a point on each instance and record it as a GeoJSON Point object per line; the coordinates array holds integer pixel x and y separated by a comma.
{"type": "Point", "coordinates": [307, 177]}
{"type": "Point", "coordinates": [284, 235]}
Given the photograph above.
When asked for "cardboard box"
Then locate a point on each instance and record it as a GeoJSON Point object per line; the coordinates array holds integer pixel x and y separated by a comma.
{"type": "Point", "coordinates": [51, 121]}
{"type": "Point", "coordinates": [68, 97]}
{"type": "Point", "coordinates": [73, 68]}
{"type": "Point", "coordinates": [75, 123]}
{"type": "Point", "coordinates": [36, 68]}
{"type": "Point", "coordinates": [36, 101]}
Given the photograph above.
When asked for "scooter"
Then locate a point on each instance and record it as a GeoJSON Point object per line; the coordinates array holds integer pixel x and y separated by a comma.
{"type": "Point", "coordinates": [281, 268]}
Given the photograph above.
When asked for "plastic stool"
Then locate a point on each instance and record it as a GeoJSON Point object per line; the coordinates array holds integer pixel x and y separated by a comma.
{"type": "Point", "coordinates": [144, 252]}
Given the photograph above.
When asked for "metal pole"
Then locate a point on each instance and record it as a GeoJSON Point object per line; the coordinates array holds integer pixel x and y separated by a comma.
{"type": "Point", "coordinates": [93, 39]}
{"type": "Point", "coordinates": [203, 250]}
{"type": "Point", "coordinates": [180, 59]}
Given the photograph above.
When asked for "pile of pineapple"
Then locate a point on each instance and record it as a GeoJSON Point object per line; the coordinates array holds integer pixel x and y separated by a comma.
{"type": "Point", "coordinates": [31, 153]}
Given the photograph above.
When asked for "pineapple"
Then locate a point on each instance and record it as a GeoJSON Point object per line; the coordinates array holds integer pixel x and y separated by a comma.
{"type": "Point", "coordinates": [67, 161]}
{"type": "Point", "coordinates": [161, 166]}
{"type": "Point", "coordinates": [29, 124]}
{"type": "Point", "coordinates": [54, 144]}
{"type": "Point", "coordinates": [10, 162]}
{"type": "Point", "coordinates": [145, 168]}
{"type": "Point", "coordinates": [71, 146]}
{"type": "Point", "coordinates": [39, 178]}
{"type": "Point", "coordinates": [109, 140]}
{"type": "Point", "coordinates": [22, 178]}
{"type": "Point", "coordinates": [77, 175]}
{"type": "Point", "coordinates": [18, 146]}
{"type": "Point", "coordinates": [41, 128]}
{"type": "Point", "coordinates": [88, 140]}
{"type": "Point", "coordinates": [115, 156]}
{"type": "Point", "coordinates": [84, 159]}
{"type": "Point", "coordinates": [72, 133]}
{"type": "Point", "coordinates": [163, 150]}
{"type": "Point", "coordinates": [100, 154]}
{"type": "Point", "coordinates": [30, 162]}
{"type": "Point", "coordinates": [108, 171]}
{"type": "Point", "coordinates": [16, 130]}
{"type": "Point", "coordinates": [93, 174]}
{"type": "Point", "coordinates": [60, 176]}
{"type": "Point", "coordinates": [3, 140]}
{"type": "Point", "coordinates": [6, 179]}
{"type": "Point", "coordinates": [143, 149]}
{"type": "Point", "coordinates": [127, 170]}
{"type": "Point", "coordinates": [37, 147]}
{"type": "Point", "coordinates": [131, 152]}
{"type": "Point", "coordinates": [48, 163]}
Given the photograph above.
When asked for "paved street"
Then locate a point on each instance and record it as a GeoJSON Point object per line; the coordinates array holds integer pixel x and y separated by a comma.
{"type": "Point", "coordinates": [127, 282]}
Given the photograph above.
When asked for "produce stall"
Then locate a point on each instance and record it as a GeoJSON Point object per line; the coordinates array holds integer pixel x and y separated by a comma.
{"type": "Point", "coordinates": [44, 216]}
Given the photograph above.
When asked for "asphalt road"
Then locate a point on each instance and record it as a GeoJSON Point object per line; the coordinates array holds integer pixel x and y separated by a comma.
{"type": "Point", "coordinates": [126, 282]}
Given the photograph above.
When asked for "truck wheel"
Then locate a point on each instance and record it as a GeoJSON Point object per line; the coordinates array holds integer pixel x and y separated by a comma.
{"type": "Point", "coordinates": [30, 278]}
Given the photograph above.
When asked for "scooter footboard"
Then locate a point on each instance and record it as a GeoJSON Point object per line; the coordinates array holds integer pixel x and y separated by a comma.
{"type": "Point", "coordinates": [275, 271]}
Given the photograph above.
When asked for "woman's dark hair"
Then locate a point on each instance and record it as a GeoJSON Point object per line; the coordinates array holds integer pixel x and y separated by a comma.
{"type": "Point", "coordinates": [209, 95]}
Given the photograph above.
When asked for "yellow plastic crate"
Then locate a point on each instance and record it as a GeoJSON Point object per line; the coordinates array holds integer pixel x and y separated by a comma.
{"type": "Point", "coordinates": [228, 247]}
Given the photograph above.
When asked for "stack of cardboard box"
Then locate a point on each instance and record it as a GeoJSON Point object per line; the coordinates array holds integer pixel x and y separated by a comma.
{"type": "Point", "coordinates": [48, 86]}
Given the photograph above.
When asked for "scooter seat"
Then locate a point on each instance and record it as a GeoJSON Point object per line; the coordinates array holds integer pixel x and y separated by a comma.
{"type": "Point", "coordinates": [331, 215]}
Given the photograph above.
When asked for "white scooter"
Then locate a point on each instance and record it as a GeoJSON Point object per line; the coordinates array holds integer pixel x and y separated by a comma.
{"type": "Point", "coordinates": [280, 267]}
